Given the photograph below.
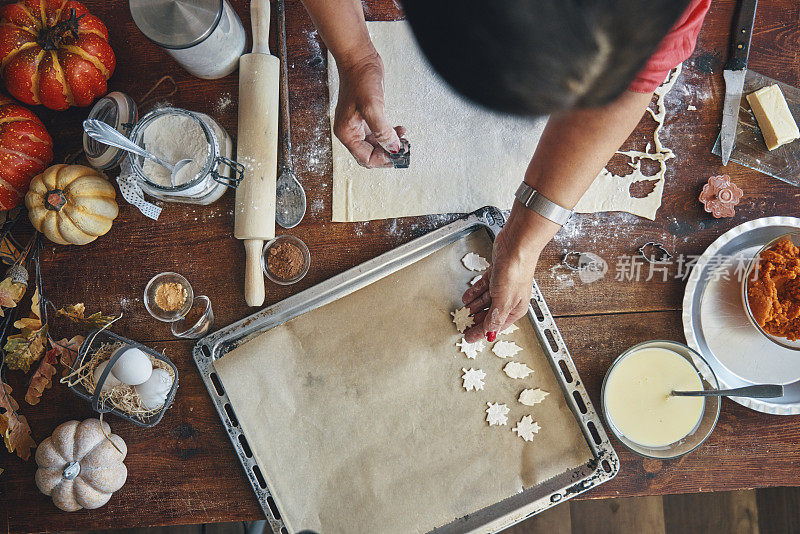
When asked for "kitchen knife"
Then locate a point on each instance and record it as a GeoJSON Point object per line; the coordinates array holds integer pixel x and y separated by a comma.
{"type": "Point", "coordinates": [734, 75]}
{"type": "Point", "coordinates": [257, 150]}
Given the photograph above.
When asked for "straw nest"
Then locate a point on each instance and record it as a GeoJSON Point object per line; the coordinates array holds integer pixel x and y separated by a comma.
{"type": "Point", "coordinates": [122, 397]}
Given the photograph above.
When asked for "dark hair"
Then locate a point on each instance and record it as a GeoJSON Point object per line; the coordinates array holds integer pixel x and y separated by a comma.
{"type": "Point", "coordinates": [532, 57]}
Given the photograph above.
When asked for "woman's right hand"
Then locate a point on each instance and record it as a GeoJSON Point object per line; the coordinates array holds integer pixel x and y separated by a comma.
{"type": "Point", "coordinates": [360, 119]}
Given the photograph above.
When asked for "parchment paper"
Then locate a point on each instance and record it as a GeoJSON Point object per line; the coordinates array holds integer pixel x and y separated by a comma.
{"type": "Point", "coordinates": [358, 421]}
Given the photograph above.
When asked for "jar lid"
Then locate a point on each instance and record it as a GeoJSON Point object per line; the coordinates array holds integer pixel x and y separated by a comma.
{"type": "Point", "coordinates": [176, 24]}
{"type": "Point", "coordinates": [118, 110]}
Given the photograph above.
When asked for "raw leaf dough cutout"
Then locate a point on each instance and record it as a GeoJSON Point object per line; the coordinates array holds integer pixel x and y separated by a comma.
{"type": "Point", "coordinates": [517, 370]}
{"type": "Point", "coordinates": [497, 414]}
{"type": "Point", "coordinates": [471, 349]}
{"type": "Point", "coordinates": [462, 319]}
{"type": "Point", "coordinates": [473, 379]}
{"type": "Point", "coordinates": [506, 349]}
{"type": "Point", "coordinates": [529, 397]}
{"type": "Point", "coordinates": [475, 280]}
{"type": "Point", "coordinates": [474, 262]}
{"type": "Point", "coordinates": [510, 330]}
{"type": "Point", "coordinates": [526, 428]}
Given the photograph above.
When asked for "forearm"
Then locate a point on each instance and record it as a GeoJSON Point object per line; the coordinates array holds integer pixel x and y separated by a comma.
{"type": "Point", "coordinates": [571, 153]}
{"type": "Point", "coordinates": [342, 27]}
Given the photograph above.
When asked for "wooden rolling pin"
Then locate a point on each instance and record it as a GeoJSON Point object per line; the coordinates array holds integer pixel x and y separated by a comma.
{"type": "Point", "coordinates": [257, 150]}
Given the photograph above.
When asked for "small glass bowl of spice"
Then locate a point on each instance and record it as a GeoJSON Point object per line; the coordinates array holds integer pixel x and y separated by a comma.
{"type": "Point", "coordinates": [168, 297]}
{"type": "Point", "coordinates": [285, 260]}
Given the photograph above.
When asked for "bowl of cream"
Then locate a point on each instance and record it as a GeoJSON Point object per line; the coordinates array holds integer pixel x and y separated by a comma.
{"type": "Point", "coordinates": [640, 410]}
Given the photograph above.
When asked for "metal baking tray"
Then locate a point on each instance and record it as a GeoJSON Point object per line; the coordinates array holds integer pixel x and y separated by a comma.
{"type": "Point", "coordinates": [603, 466]}
{"type": "Point", "coordinates": [716, 325]}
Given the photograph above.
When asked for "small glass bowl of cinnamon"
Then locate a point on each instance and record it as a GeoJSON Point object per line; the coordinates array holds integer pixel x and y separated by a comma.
{"type": "Point", "coordinates": [285, 260]}
{"type": "Point", "coordinates": [168, 297]}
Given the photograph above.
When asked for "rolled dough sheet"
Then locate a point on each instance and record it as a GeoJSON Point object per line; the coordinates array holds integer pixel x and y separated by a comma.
{"type": "Point", "coordinates": [463, 157]}
{"type": "Point", "coordinates": [357, 419]}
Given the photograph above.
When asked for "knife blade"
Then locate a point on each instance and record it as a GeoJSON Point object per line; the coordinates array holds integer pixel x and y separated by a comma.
{"type": "Point", "coordinates": [734, 75]}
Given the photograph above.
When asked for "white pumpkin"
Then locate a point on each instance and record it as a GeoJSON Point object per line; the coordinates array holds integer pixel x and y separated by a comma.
{"type": "Point", "coordinates": [79, 467]}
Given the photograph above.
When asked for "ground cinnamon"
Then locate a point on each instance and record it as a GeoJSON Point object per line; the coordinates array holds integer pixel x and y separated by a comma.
{"type": "Point", "coordinates": [285, 261]}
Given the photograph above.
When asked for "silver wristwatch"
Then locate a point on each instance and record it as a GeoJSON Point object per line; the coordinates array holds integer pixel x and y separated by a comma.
{"type": "Point", "coordinates": [535, 201]}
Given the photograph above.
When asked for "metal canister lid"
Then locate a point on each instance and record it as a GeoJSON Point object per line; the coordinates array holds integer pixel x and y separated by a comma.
{"type": "Point", "coordinates": [118, 110]}
{"type": "Point", "coordinates": [176, 24]}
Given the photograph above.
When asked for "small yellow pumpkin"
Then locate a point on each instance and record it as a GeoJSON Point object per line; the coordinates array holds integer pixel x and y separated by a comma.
{"type": "Point", "coordinates": [71, 204]}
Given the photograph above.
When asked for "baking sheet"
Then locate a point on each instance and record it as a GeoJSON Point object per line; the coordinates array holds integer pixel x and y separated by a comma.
{"type": "Point", "coordinates": [750, 149]}
{"type": "Point", "coordinates": [357, 419]}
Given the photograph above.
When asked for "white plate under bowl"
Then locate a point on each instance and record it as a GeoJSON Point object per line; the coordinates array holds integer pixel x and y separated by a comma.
{"type": "Point", "coordinates": [716, 325]}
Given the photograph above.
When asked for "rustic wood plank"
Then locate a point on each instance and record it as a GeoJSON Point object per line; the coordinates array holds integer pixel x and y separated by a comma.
{"type": "Point", "coordinates": [734, 512]}
{"type": "Point", "coordinates": [553, 521]}
{"type": "Point", "coordinates": [777, 509]}
{"type": "Point", "coordinates": [618, 516]}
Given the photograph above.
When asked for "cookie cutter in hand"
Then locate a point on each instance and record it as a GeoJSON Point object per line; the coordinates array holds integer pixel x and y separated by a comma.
{"type": "Point", "coordinates": [654, 252]}
{"type": "Point", "coordinates": [402, 159]}
{"type": "Point", "coordinates": [200, 327]}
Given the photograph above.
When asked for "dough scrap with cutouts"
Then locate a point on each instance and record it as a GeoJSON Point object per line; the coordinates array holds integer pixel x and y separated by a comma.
{"type": "Point", "coordinates": [506, 349]}
{"type": "Point", "coordinates": [474, 262]}
{"type": "Point", "coordinates": [471, 349]}
{"type": "Point", "coordinates": [529, 397]}
{"type": "Point", "coordinates": [462, 319]}
{"type": "Point", "coordinates": [517, 370]}
{"type": "Point", "coordinates": [526, 428]}
{"type": "Point", "coordinates": [497, 414]}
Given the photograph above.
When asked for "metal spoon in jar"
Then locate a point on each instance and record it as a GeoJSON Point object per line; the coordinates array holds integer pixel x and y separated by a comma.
{"type": "Point", "coordinates": [108, 135]}
{"type": "Point", "coordinates": [760, 391]}
{"type": "Point", "coordinates": [290, 201]}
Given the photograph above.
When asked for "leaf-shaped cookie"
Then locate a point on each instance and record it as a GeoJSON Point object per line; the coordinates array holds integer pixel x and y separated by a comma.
{"type": "Point", "coordinates": [462, 319]}
{"type": "Point", "coordinates": [517, 370]}
{"type": "Point", "coordinates": [529, 397]}
{"type": "Point", "coordinates": [474, 262]}
{"type": "Point", "coordinates": [497, 414]}
{"type": "Point", "coordinates": [473, 379]}
{"type": "Point", "coordinates": [506, 349]}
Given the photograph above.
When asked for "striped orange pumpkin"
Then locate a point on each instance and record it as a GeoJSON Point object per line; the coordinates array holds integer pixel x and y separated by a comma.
{"type": "Point", "coordinates": [26, 149]}
{"type": "Point", "coordinates": [54, 52]}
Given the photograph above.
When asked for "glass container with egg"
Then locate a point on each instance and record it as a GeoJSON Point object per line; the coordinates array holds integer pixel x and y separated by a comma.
{"type": "Point", "coordinates": [127, 371]}
{"type": "Point", "coordinates": [640, 409]}
{"type": "Point", "coordinates": [172, 134]}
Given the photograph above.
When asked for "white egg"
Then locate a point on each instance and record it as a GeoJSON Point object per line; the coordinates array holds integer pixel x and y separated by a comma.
{"type": "Point", "coordinates": [133, 367]}
{"type": "Point", "coordinates": [111, 380]}
{"type": "Point", "coordinates": [153, 393]}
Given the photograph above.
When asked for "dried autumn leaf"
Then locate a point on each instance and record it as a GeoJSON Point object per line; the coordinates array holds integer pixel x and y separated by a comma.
{"type": "Point", "coordinates": [25, 349]}
{"type": "Point", "coordinates": [42, 378]}
{"type": "Point", "coordinates": [67, 350]}
{"type": "Point", "coordinates": [77, 314]}
{"type": "Point", "coordinates": [15, 429]}
{"type": "Point", "coordinates": [10, 294]}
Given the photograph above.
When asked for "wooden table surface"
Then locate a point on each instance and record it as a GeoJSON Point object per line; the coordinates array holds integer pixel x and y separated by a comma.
{"type": "Point", "coordinates": [185, 471]}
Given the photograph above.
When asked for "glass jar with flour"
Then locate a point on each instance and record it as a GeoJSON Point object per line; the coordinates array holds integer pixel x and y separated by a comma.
{"type": "Point", "coordinates": [172, 134]}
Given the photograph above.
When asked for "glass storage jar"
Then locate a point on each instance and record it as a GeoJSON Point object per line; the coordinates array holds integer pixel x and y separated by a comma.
{"type": "Point", "coordinates": [205, 36]}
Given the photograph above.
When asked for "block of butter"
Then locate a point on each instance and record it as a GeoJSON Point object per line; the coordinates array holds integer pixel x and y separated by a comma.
{"type": "Point", "coordinates": [773, 116]}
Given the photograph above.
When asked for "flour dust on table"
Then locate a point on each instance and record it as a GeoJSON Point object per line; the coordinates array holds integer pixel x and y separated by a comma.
{"type": "Point", "coordinates": [450, 173]}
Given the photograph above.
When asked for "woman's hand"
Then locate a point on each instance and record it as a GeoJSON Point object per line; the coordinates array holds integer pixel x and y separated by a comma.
{"type": "Point", "coordinates": [360, 120]}
{"type": "Point", "coordinates": [502, 294]}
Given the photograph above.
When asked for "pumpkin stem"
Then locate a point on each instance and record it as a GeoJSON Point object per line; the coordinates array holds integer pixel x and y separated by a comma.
{"type": "Point", "coordinates": [50, 37]}
{"type": "Point", "coordinates": [55, 200]}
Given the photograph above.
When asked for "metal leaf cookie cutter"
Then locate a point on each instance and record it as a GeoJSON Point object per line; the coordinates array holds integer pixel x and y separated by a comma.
{"type": "Point", "coordinates": [654, 252]}
{"type": "Point", "coordinates": [402, 159]}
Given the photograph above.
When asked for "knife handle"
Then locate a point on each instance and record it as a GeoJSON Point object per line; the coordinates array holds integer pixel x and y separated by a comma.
{"type": "Point", "coordinates": [741, 34]}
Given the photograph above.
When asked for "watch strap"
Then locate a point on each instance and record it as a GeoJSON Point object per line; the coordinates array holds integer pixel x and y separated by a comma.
{"type": "Point", "coordinates": [535, 201]}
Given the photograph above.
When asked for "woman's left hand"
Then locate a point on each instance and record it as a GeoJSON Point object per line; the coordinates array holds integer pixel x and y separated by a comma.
{"type": "Point", "coordinates": [502, 294]}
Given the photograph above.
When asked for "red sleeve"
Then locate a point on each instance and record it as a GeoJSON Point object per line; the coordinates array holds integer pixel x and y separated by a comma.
{"type": "Point", "coordinates": [675, 48]}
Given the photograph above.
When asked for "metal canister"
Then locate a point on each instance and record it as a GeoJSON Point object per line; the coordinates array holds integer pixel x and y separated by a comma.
{"type": "Point", "coordinates": [205, 36]}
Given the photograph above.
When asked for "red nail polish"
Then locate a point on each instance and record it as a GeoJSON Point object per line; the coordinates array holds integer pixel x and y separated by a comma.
{"type": "Point", "coordinates": [491, 336]}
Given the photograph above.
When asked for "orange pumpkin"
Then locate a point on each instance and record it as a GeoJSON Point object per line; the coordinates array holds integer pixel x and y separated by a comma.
{"type": "Point", "coordinates": [26, 149]}
{"type": "Point", "coordinates": [54, 52]}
